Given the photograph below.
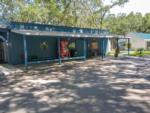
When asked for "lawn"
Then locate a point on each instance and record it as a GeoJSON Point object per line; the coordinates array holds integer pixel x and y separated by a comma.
{"type": "Point", "coordinates": [111, 53]}
{"type": "Point", "coordinates": [144, 53]}
{"type": "Point", "coordinates": [132, 53]}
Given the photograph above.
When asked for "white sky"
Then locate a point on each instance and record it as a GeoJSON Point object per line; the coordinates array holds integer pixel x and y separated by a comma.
{"type": "Point", "coordinates": [142, 6]}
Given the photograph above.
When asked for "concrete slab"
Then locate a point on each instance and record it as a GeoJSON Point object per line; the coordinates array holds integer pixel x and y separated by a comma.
{"type": "Point", "coordinates": [7, 69]}
{"type": "Point", "coordinates": [119, 85]}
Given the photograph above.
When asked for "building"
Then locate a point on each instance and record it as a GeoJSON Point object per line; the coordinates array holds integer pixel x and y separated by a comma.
{"type": "Point", "coordinates": [140, 40]}
{"type": "Point", "coordinates": [35, 43]}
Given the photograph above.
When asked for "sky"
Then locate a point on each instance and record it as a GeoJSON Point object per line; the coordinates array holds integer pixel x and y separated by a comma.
{"type": "Point", "coordinates": [142, 6]}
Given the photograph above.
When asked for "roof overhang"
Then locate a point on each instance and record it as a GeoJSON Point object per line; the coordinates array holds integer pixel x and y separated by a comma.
{"type": "Point", "coordinates": [147, 39]}
{"type": "Point", "coordinates": [3, 28]}
{"type": "Point", "coordinates": [62, 34]}
{"type": "Point", "coordinates": [2, 38]}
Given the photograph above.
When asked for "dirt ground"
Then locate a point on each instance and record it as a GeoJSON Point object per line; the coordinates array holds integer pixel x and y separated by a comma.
{"type": "Point", "coordinates": [111, 86]}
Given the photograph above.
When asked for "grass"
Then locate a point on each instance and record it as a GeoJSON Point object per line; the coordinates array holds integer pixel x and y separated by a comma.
{"type": "Point", "coordinates": [132, 53]}
{"type": "Point", "coordinates": [111, 53]}
{"type": "Point", "coordinates": [144, 53]}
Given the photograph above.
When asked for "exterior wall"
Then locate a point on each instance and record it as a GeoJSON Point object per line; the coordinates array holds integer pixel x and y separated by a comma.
{"type": "Point", "coordinates": [103, 46]}
{"type": "Point", "coordinates": [80, 47]}
{"type": "Point", "coordinates": [137, 42]}
{"type": "Point", "coordinates": [34, 48]}
{"type": "Point", "coordinates": [16, 49]}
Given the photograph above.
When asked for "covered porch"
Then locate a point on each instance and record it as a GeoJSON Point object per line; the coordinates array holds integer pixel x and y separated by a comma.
{"type": "Point", "coordinates": [54, 42]}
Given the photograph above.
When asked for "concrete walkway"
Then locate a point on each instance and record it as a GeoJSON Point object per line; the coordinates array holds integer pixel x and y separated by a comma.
{"type": "Point", "coordinates": [6, 69]}
{"type": "Point", "coordinates": [111, 86]}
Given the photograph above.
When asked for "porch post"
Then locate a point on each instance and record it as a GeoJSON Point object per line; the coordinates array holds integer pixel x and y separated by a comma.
{"type": "Point", "coordinates": [102, 48]}
{"type": "Point", "coordinates": [117, 43]}
{"type": "Point", "coordinates": [85, 49]}
{"type": "Point", "coordinates": [8, 47]}
{"type": "Point", "coordinates": [25, 51]}
{"type": "Point", "coordinates": [128, 46]}
{"type": "Point", "coordinates": [59, 51]}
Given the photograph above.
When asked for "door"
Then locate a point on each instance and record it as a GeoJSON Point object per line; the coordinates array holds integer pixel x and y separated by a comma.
{"type": "Point", "coordinates": [1, 52]}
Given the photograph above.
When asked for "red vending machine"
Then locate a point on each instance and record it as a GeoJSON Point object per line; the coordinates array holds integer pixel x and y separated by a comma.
{"type": "Point", "coordinates": [64, 48]}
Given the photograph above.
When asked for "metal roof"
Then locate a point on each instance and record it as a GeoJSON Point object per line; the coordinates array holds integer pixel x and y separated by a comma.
{"type": "Point", "coordinates": [62, 34]}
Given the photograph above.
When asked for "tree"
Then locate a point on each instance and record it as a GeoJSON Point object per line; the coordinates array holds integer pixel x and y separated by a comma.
{"type": "Point", "coordinates": [118, 25]}
{"type": "Point", "coordinates": [146, 23]}
{"type": "Point", "coordinates": [135, 21]}
{"type": "Point", "coordinates": [9, 8]}
{"type": "Point", "coordinates": [99, 9]}
{"type": "Point", "coordinates": [123, 24]}
{"type": "Point", "coordinates": [79, 13]}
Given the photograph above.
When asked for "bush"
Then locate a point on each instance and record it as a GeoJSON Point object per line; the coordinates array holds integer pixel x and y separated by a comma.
{"type": "Point", "coordinates": [129, 45]}
{"type": "Point", "coordinates": [117, 51]}
{"type": "Point", "coordinates": [140, 52]}
{"type": "Point", "coordinates": [44, 45]}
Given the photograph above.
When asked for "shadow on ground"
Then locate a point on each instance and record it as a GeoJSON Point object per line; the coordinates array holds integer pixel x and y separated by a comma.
{"type": "Point", "coordinates": [94, 86]}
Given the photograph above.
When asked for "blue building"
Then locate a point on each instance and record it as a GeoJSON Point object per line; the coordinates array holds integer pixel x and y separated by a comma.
{"type": "Point", "coordinates": [35, 43]}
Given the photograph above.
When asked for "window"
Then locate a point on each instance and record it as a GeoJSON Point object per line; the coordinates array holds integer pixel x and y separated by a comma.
{"type": "Point", "coordinates": [74, 31]}
{"type": "Point", "coordinates": [35, 27]}
{"type": "Point", "coordinates": [148, 45]}
{"type": "Point", "coordinates": [47, 29]}
{"type": "Point", "coordinates": [81, 30]}
{"type": "Point", "coordinates": [21, 26]}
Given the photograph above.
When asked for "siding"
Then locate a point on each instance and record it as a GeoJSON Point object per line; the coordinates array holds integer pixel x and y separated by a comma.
{"type": "Point", "coordinates": [16, 49]}
{"type": "Point", "coordinates": [137, 42]}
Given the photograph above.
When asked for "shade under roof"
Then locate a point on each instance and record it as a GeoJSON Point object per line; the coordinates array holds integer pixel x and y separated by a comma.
{"type": "Point", "coordinates": [63, 34]}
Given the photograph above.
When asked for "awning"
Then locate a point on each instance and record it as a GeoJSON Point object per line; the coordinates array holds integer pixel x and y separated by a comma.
{"type": "Point", "coordinates": [2, 38]}
{"type": "Point", "coordinates": [63, 34]}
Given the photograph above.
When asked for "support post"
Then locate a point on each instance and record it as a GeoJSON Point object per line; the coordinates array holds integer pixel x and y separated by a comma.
{"type": "Point", "coordinates": [85, 49]}
{"type": "Point", "coordinates": [117, 43]}
{"type": "Point", "coordinates": [128, 46]}
{"type": "Point", "coordinates": [117, 51]}
{"type": "Point", "coordinates": [25, 51]}
{"type": "Point", "coordinates": [59, 51]}
{"type": "Point", "coordinates": [8, 47]}
{"type": "Point", "coordinates": [102, 48]}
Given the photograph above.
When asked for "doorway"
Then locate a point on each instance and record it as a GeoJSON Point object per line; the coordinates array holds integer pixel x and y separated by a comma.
{"type": "Point", "coordinates": [93, 48]}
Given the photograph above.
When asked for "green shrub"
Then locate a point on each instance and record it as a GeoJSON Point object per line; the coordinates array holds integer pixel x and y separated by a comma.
{"type": "Point", "coordinates": [129, 45]}
{"type": "Point", "coordinates": [140, 52]}
{"type": "Point", "coordinates": [44, 45]}
{"type": "Point", "coordinates": [117, 51]}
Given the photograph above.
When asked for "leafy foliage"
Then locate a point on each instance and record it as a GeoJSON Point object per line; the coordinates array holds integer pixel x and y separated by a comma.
{"type": "Point", "coordinates": [133, 22]}
{"type": "Point", "coordinates": [44, 45]}
{"type": "Point", "coordinates": [80, 13]}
